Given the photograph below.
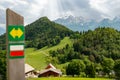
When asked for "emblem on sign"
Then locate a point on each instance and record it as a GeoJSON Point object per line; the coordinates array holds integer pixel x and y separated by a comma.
{"type": "Point", "coordinates": [15, 33]}
{"type": "Point", "coordinates": [16, 50]}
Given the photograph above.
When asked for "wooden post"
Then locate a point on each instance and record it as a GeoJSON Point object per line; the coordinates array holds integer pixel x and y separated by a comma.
{"type": "Point", "coordinates": [15, 67]}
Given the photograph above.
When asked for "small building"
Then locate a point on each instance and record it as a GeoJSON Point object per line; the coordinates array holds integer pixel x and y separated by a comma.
{"type": "Point", "coordinates": [50, 70]}
{"type": "Point", "coordinates": [29, 71]}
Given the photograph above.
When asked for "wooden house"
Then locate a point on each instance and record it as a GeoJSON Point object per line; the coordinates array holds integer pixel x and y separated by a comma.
{"type": "Point", "coordinates": [50, 70]}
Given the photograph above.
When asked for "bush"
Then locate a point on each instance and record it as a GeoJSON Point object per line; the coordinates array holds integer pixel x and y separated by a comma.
{"type": "Point", "coordinates": [117, 69]}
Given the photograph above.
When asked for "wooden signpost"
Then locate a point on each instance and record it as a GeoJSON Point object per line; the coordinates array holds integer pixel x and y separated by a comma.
{"type": "Point", "coordinates": [15, 45]}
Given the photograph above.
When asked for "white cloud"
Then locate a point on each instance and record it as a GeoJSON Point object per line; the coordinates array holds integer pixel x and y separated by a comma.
{"type": "Point", "coordinates": [99, 5]}
{"type": "Point", "coordinates": [107, 8]}
{"type": "Point", "coordinates": [34, 9]}
{"type": "Point", "coordinates": [1, 7]}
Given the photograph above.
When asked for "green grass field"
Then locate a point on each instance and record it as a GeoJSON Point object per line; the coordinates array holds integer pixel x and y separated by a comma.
{"type": "Point", "coordinates": [35, 58]}
{"type": "Point", "coordinates": [49, 78]}
{"type": "Point", "coordinates": [38, 58]}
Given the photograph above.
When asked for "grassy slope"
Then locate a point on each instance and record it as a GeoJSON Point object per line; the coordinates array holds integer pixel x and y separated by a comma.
{"type": "Point", "coordinates": [37, 58]}
{"type": "Point", "coordinates": [62, 44]}
{"type": "Point", "coordinates": [69, 79]}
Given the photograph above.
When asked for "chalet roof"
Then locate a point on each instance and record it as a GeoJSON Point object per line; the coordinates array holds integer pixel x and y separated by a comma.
{"type": "Point", "coordinates": [28, 68]}
{"type": "Point", "coordinates": [50, 66]}
{"type": "Point", "coordinates": [51, 69]}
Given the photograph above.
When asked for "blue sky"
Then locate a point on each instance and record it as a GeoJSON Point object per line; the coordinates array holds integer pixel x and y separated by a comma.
{"type": "Point", "coordinates": [53, 9]}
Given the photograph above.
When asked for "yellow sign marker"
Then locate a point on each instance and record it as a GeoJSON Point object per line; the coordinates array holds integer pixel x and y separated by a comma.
{"type": "Point", "coordinates": [16, 33]}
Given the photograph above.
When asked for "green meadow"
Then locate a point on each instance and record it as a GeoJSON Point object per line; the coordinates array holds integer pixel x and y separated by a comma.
{"type": "Point", "coordinates": [61, 78]}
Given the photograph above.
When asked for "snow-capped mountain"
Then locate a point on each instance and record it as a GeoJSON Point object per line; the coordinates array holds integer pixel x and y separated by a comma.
{"type": "Point", "coordinates": [82, 24]}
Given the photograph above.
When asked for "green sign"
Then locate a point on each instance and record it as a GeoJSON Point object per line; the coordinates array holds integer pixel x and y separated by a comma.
{"type": "Point", "coordinates": [15, 33]}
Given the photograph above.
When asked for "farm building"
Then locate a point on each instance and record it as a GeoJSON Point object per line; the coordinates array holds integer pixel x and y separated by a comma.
{"type": "Point", "coordinates": [50, 70]}
{"type": "Point", "coordinates": [29, 71]}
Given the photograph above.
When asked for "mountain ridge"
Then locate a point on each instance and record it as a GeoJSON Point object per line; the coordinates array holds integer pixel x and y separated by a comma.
{"type": "Point", "coordinates": [83, 24]}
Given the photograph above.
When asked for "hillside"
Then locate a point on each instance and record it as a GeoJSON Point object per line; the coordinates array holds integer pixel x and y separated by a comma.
{"type": "Point", "coordinates": [40, 58]}
{"type": "Point", "coordinates": [44, 32]}
{"type": "Point", "coordinates": [92, 46]}
{"type": "Point", "coordinates": [94, 51]}
{"type": "Point", "coordinates": [102, 42]}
